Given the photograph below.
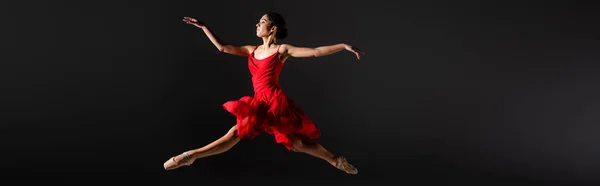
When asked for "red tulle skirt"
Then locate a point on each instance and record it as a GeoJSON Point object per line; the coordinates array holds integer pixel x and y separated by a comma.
{"type": "Point", "coordinates": [276, 115]}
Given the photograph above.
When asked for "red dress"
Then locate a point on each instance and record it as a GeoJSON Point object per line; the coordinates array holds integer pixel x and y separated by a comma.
{"type": "Point", "coordinates": [269, 110]}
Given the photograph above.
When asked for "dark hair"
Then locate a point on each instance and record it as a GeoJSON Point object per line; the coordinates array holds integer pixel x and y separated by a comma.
{"type": "Point", "coordinates": [278, 21]}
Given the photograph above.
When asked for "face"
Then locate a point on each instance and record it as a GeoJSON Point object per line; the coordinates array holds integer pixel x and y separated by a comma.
{"type": "Point", "coordinates": [263, 27]}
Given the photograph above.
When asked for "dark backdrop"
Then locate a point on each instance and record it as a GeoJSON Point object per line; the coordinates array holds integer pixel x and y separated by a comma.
{"type": "Point", "coordinates": [494, 93]}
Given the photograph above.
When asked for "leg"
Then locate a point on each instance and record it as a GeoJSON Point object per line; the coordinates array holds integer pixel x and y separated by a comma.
{"type": "Point", "coordinates": [309, 146]}
{"type": "Point", "coordinates": [218, 146]}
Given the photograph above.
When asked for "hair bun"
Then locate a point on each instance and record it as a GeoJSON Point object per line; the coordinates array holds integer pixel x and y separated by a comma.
{"type": "Point", "coordinates": [278, 21]}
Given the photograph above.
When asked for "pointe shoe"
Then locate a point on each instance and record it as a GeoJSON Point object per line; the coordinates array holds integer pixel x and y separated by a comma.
{"type": "Point", "coordinates": [178, 161]}
{"type": "Point", "coordinates": [342, 164]}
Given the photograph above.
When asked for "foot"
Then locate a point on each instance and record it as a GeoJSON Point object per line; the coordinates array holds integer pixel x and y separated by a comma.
{"type": "Point", "coordinates": [343, 165]}
{"type": "Point", "coordinates": [183, 159]}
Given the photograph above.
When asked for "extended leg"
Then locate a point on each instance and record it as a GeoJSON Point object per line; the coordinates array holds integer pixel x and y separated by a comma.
{"type": "Point", "coordinates": [218, 146]}
{"type": "Point", "coordinates": [308, 146]}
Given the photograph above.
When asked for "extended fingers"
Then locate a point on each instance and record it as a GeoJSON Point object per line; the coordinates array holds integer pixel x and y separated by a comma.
{"type": "Point", "coordinates": [189, 19]}
{"type": "Point", "coordinates": [192, 19]}
{"type": "Point", "coordinates": [357, 50]}
{"type": "Point", "coordinates": [357, 55]}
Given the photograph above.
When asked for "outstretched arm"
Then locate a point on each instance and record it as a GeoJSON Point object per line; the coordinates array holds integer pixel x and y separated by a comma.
{"type": "Point", "coordinates": [222, 47]}
{"type": "Point", "coordinates": [294, 51]}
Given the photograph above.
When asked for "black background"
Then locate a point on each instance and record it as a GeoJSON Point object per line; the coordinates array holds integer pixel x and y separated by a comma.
{"type": "Point", "coordinates": [495, 93]}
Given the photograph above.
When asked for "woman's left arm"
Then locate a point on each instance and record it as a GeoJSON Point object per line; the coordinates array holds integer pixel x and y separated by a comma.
{"type": "Point", "coordinates": [295, 51]}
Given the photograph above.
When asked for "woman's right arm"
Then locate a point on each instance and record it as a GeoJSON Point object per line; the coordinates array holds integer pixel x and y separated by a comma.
{"type": "Point", "coordinates": [229, 49]}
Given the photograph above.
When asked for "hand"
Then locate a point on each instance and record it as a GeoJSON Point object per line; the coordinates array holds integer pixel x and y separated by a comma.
{"type": "Point", "coordinates": [193, 21]}
{"type": "Point", "coordinates": [355, 51]}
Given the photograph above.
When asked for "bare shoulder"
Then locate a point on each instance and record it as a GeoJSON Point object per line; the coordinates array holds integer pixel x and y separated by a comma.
{"type": "Point", "coordinates": [248, 48]}
{"type": "Point", "coordinates": [285, 48]}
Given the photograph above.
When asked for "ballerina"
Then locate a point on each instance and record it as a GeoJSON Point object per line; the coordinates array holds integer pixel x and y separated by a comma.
{"type": "Point", "coordinates": [269, 110]}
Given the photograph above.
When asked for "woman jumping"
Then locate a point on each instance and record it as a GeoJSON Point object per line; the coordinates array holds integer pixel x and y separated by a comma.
{"type": "Point", "coordinates": [269, 110]}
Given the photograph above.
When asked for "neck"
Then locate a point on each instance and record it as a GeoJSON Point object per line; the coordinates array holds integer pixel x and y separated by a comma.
{"type": "Point", "coordinates": [268, 41]}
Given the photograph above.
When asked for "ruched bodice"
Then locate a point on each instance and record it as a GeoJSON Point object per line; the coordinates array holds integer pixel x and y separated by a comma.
{"type": "Point", "coordinates": [265, 75]}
